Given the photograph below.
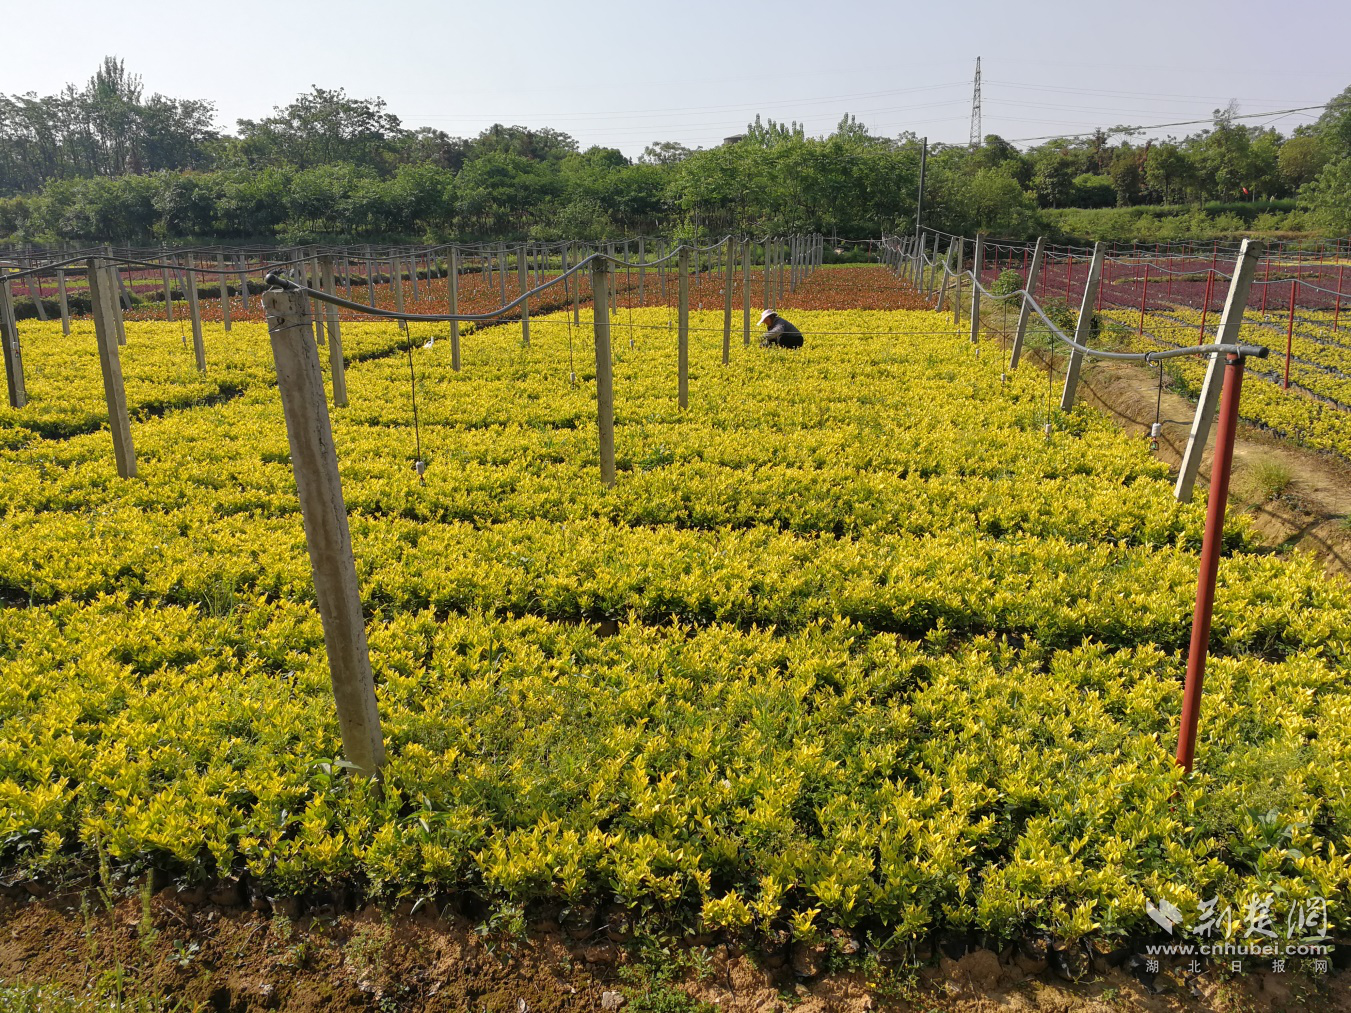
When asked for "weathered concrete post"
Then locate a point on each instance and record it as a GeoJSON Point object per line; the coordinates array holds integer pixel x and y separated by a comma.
{"type": "Point", "coordinates": [605, 391]}
{"type": "Point", "coordinates": [314, 460]}
{"type": "Point", "coordinates": [1025, 311]}
{"type": "Point", "coordinates": [195, 313]}
{"type": "Point", "coordinates": [523, 279]}
{"type": "Point", "coordinates": [746, 292]}
{"type": "Point", "coordinates": [683, 339]}
{"type": "Point", "coordinates": [1083, 329]}
{"type": "Point", "coordinates": [729, 275]}
{"type": "Point", "coordinates": [103, 298]}
{"type": "Point", "coordinates": [975, 287]}
{"type": "Point", "coordinates": [9, 338]}
{"type": "Point", "coordinates": [224, 290]}
{"type": "Point", "coordinates": [64, 300]}
{"type": "Point", "coordinates": [1235, 305]}
{"type": "Point", "coordinates": [336, 365]}
{"type": "Point", "coordinates": [453, 277]}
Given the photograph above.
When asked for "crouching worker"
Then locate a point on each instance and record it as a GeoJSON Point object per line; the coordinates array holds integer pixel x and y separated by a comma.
{"type": "Point", "coordinates": [780, 333]}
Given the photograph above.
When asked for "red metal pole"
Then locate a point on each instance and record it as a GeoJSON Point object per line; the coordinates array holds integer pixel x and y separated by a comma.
{"type": "Point", "coordinates": [1337, 308]}
{"type": "Point", "coordinates": [1289, 334]}
{"type": "Point", "coordinates": [1205, 306]}
{"type": "Point", "coordinates": [1210, 560]}
{"type": "Point", "coordinates": [1266, 283]}
{"type": "Point", "coordinates": [1144, 292]}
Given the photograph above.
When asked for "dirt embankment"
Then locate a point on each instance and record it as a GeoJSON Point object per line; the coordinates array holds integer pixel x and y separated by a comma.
{"type": "Point", "coordinates": [1297, 499]}
{"type": "Point", "coordinates": [227, 957]}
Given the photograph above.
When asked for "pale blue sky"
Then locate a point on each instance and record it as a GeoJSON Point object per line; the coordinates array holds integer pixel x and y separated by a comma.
{"type": "Point", "coordinates": [624, 75]}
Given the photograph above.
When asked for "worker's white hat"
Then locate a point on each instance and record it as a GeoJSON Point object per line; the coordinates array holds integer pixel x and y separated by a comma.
{"type": "Point", "coordinates": [766, 315]}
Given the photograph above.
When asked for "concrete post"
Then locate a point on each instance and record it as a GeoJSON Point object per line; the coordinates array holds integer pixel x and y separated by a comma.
{"type": "Point", "coordinates": [642, 269]}
{"type": "Point", "coordinates": [947, 277]}
{"type": "Point", "coordinates": [9, 338]}
{"type": "Point", "coordinates": [605, 393]}
{"type": "Point", "coordinates": [242, 262]}
{"type": "Point", "coordinates": [577, 293]}
{"type": "Point", "coordinates": [336, 366]}
{"type": "Point", "coordinates": [1029, 285]}
{"type": "Point", "coordinates": [224, 290]}
{"type": "Point", "coordinates": [195, 315]}
{"type": "Point", "coordinates": [1235, 305]}
{"type": "Point", "coordinates": [769, 289]}
{"type": "Point", "coordinates": [729, 274]}
{"type": "Point", "coordinates": [1083, 329]}
{"type": "Point", "coordinates": [746, 293]}
{"type": "Point", "coordinates": [396, 272]}
{"type": "Point", "coordinates": [957, 279]}
{"type": "Point", "coordinates": [976, 264]}
{"type": "Point", "coordinates": [453, 284]}
{"type": "Point", "coordinates": [103, 298]}
{"type": "Point", "coordinates": [35, 294]}
{"type": "Point", "coordinates": [168, 290]}
{"type": "Point", "coordinates": [65, 302]}
{"type": "Point", "coordinates": [314, 460]}
{"type": "Point", "coordinates": [523, 278]}
{"type": "Point", "coordinates": [502, 271]}
{"type": "Point", "coordinates": [683, 332]}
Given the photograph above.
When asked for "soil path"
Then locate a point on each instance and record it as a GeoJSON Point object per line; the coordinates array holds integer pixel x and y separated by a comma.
{"type": "Point", "coordinates": [1309, 513]}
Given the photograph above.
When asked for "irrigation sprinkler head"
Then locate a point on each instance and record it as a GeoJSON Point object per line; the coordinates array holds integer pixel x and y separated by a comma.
{"type": "Point", "coordinates": [1047, 428]}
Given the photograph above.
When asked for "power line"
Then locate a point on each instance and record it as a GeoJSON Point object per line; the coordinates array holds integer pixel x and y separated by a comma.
{"type": "Point", "coordinates": [1177, 123]}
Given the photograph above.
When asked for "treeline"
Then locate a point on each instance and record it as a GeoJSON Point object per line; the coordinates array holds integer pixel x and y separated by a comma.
{"type": "Point", "coordinates": [106, 163]}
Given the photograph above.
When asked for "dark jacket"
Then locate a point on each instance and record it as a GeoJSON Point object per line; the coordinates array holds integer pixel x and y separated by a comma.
{"type": "Point", "coordinates": [782, 335]}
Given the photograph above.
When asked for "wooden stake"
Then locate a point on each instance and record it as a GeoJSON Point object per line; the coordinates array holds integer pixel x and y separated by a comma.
{"type": "Point", "coordinates": [605, 394]}
{"type": "Point", "coordinates": [314, 460]}
{"type": "Point", "coordinates": [103, 297]}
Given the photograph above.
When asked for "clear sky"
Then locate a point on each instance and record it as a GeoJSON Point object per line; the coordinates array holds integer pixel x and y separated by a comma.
{"type": "Point", "coordinates": [624, 75]}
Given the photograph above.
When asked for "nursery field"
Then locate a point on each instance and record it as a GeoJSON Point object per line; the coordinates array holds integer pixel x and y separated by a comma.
{"type": "Point", "coordinates": [852, 643]}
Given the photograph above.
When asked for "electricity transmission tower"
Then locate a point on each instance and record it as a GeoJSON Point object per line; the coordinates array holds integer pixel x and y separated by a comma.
{"type": "Point", "coordinates": [976, 136]}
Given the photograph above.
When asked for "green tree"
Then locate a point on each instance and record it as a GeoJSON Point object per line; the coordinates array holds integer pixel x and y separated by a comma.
{"type": "Point", "coordinates": [1301, 159]}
